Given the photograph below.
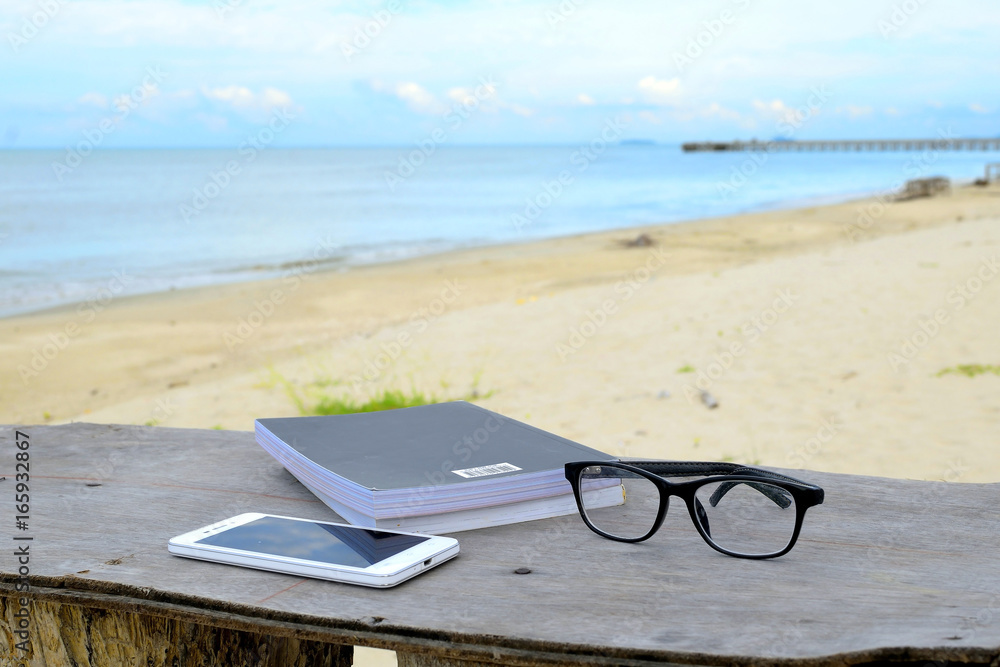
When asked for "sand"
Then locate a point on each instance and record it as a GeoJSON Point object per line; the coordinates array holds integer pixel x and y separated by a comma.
{"type": "Point", "coordinates": [819, 331]}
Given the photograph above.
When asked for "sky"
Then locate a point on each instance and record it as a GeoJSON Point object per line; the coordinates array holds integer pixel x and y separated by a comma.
{"type": "Point", "coordinates": [217, 73]}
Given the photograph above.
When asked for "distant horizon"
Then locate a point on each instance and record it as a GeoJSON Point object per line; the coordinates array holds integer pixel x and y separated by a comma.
{"type": "Point", "coordinates": [634, 142]}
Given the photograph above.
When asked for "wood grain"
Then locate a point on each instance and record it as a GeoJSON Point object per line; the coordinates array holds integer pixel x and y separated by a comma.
{"type": "Point", "coordinates": [67, 634]}
{"type": "Point", "coordinates": [884, 570]}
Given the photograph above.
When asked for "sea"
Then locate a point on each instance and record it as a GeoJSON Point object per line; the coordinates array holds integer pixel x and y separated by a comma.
{"type": "Point", "coordinates": [172, 219]}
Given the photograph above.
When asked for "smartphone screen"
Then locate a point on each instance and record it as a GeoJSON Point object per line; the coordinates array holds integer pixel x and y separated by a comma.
{"type": "Point", "coordinates": [340, 545]}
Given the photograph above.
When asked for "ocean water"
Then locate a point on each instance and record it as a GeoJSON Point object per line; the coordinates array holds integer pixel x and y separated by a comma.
{"type": "Point", "coordinates": [168, 219]}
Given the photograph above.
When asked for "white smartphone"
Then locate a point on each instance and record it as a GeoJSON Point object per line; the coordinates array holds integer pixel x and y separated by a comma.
{"type": "Point", "coordinates": [332, 551]}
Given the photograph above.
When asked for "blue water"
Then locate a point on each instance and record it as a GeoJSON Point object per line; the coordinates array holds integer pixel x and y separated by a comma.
{"type": "Point", "coordinates": [65, 232]}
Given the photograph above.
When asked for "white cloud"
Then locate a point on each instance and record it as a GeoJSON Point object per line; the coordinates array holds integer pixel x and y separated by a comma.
{"type": "Point", "coordinates": [94, 99]}
{"type": "Point", "coordinates": [212, 122]}
{"type": "Point", "coordinates": [891, 111]}
{"type": "Point", "coordinates": [461, 95]}
{"type": "Point", "coordinates": [775, 110]}
{"type": "Point", "coordinates": [272, 97]}
{"type": "Point", "coordinates": [659, 91]}
{"type": "Point", "coordinates": [238, 96]}
{"type": "Point", "coordinates": [780, 113]}
{"type": "Point", "coordinates": [485, 98]}
{"type": "Point", "coordinates": [978, 108]}
{"type": "Point", "coordinates": [140, 96]}
{"type": "Point", "coordinates": [585, 99]}
{"type": "Point", "coordinates": [775, 106]}
{"type": "Point", "coordinates": [517, 109]}
{"type": "Point", "coordinates": [649, 117]}
{"type": "Point", "coordinates": [717, 110]}
{"type": "Point", "coordinates": [855, 111]}
{"type": "Point", "coordinates": [418, 99]}
{"type": "Point", "coordinates": [242, 98]}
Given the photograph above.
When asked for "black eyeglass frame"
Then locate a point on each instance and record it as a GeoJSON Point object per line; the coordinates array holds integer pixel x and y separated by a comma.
{"type": "Point", "coordinates": [805, 495]}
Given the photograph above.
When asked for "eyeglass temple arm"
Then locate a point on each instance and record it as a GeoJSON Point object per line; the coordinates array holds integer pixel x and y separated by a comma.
{"type": "Point", "coordinates": [778, 496]}
{"type": "Point", "coordinates": [684, 468]}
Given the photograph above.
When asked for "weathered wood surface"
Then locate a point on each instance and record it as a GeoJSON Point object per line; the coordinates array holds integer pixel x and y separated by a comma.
{"type": "Point", "coordinates": [70, 634]}
{"type": "Point", "coordinates": [885, 569]}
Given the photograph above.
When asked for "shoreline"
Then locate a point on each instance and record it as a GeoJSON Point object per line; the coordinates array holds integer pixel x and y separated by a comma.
{"type": "Point", "coordinates": [509, 323]}
{"type": "Point", "coordinates": [347, 262]}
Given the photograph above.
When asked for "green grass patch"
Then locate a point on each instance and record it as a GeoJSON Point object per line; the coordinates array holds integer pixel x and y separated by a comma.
{"type": "Point", "coordinates": [686, 368]}
{"type": "Point", "coordinates": [970, 370]}
{"type": "Point", "coordinates": [389, 399]}
{"type": "Point", "coordinates": [315, 399]}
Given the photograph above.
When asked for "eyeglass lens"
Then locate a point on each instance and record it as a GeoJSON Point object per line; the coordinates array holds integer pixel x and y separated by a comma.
{"type": "Point", "coordinates": [630, 513]}
{"type": "Point", "coordinates": [744, 517]}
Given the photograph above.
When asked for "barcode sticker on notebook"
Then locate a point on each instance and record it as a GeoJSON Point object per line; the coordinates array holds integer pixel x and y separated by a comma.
{"type": "Point", "coordinates": [483, 471]}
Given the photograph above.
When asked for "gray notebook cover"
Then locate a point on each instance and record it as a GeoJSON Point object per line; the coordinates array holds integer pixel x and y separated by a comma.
{"type": "Point", "coordinates": [424, 445]}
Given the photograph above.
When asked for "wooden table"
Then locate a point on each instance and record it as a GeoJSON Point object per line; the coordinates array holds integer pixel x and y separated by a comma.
{"type": "Point", "coordinates": [886, 570]}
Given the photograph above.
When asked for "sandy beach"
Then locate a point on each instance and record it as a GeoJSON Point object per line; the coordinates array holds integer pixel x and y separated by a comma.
{"type": "Point", "coordinates": [821, 333]}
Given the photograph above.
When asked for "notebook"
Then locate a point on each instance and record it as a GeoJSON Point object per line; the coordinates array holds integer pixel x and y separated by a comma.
{"type": "Point", "coordinates": [436, 468]}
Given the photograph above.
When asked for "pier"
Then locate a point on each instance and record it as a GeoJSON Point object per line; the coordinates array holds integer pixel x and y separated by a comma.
{"type": "Point", "coordinates": [847, 145]}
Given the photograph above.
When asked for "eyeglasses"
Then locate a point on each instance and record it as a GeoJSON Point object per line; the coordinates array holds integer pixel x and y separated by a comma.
{"type": "Point", "coordinates": [740, 511]}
